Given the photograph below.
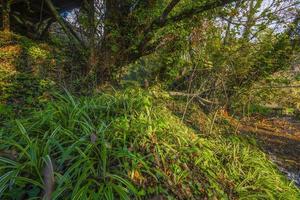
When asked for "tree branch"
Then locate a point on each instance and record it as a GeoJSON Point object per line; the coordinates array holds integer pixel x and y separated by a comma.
{"type": "Point", "coordinates": [196, 95]}
{"type": "Point", "coordinates": [200, 9]}
{"type": "Point", "coordinates": [168, 9]}
{"type": "Point", "coordinates": [156, 22]}
{"type": "Point", "coordinates": [65, 26]}
{"type": "Point", "coordinates": [163, 20]}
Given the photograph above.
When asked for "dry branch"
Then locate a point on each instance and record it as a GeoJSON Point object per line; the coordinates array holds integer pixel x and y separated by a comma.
{"type": "Point", "coordinates": [195, 95]}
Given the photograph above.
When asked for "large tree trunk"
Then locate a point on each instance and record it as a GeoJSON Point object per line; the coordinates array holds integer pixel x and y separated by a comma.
{"type": "Point", "coordinates": [112, 45]}
{"type": "Point", "coordinates": [6, 15]}
{"type": "Point", "coordinates": [91, 29]}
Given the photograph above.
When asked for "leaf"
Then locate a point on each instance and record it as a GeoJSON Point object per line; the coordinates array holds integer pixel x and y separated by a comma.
{"type": "Point", "coordinates": [49, 180]}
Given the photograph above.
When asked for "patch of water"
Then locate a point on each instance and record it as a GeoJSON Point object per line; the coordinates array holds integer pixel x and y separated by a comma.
{"type": "Point", "coordinates": [291, 174]}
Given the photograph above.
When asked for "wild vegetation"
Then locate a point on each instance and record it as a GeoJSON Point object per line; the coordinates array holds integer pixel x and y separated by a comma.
{"type": "Point", "coordinates": [156, 99]}
{"type": "Point", "coordinates": [124, 145]}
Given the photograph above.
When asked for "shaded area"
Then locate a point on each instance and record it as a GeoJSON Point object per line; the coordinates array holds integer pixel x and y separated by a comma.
{"type": "Point", "coordinates": [33, 18]}
{"type": "Point", "coordinates": [29, 72]}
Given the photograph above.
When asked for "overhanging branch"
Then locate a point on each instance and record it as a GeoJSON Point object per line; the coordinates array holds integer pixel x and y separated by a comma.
{"type": "Point", "coordinates": [65, 26]}
{"type": "Point", "coordinates": [163, 20]}
{"type": "Point", "coordinates": [199, 9]}
{"type": "Point", "coordinates": [156, 22]}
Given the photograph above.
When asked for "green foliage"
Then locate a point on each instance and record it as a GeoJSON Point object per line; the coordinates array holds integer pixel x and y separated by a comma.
{"type": "Point", "coordinates": [127, 145]}
{"type": "Point", "coordinates": [6, 113]}
{"type": "Point", "coordinates": [258, 109]}
{"type": "Point", "coordinates": [297, 77]}
{"type": "Point", "coordinates": [277, 94]}
{"type": "Point", "coordinates": [30, 71]}
{"type": "Point", "coordinates": [24, 91]}
{"type": "Point", "coordinates": [216, 58]}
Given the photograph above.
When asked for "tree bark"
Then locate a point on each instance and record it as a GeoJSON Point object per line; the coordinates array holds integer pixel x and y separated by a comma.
{"type": "Point", "coordinates": [6, 15]}
{"type": "Point", "coordinates": [92, 60]}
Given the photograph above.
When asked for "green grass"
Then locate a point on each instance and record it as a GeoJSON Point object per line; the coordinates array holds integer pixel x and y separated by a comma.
{"type": "Point", "coordinates": [128, 145]}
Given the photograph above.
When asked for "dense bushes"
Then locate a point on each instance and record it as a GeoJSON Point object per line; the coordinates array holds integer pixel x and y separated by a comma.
{"type": "Point", "coordinates": [128, 145]}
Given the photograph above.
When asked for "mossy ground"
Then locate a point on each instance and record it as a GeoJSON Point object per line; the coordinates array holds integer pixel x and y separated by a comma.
{"type": "Point", "coordinates": [29, 72]}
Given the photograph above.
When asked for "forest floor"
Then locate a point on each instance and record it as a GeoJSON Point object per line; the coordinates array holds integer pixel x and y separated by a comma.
{"type": "Point", "coordinates": [279, 137]}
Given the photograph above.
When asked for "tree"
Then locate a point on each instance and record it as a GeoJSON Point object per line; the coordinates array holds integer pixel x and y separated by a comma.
{"type": "Point", "coordinates": [125, 30]}
{"type": "Point", "coordinates": [115, 32]}
{"type": "Point", "coordinates": [236, 49]}
{"type": "Point", "coordinates": [5, 15]}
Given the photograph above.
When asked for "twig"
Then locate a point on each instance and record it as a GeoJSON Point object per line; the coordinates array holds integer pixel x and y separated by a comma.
{"type": "Point", "coordinates": [192, 95]}
{"type": "Point", "coordinates": [287, 86]}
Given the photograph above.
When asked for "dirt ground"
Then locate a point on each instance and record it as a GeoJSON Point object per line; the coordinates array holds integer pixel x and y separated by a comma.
{"type": "Point", "coordinates": [280, 139]}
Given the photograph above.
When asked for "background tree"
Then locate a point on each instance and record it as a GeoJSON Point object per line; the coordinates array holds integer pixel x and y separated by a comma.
{"type": "Point", "coordinates": [5, 4]}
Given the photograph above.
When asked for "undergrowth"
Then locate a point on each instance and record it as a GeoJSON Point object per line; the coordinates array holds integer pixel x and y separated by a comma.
{"type": "Point", "coordinates": [128, 145]}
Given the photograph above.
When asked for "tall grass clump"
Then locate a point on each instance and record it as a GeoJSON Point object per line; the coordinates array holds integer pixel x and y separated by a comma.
{"type": "Point", "coordinates": [128, 145]}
